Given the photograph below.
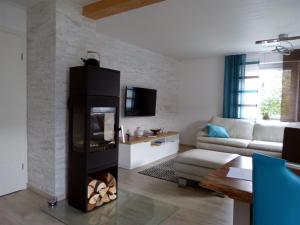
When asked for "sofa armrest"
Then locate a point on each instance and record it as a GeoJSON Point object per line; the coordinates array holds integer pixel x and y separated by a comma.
{"type": "Point", "coordinates": [202, 131]}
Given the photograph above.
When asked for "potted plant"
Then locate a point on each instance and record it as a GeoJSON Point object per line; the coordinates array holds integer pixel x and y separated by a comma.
{"type": "Point", "coordinates": [266, 116]}
{"type": "Point", "coordinates": [270, 107]}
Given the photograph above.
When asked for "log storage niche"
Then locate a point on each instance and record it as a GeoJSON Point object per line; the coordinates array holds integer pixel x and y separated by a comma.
{"type": "Point", "coordinates": [93, 136]}
{"type": "Point", "coordinates": [101, 190]}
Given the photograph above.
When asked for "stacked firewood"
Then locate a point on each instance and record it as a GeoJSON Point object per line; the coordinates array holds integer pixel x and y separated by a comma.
{"type": "Point", "coordinates": [101, 190]}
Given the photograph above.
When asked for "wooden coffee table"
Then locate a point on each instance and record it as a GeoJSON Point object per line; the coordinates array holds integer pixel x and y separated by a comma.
{"type": "Point", "coordinates": [239, 190]}
{"type": "Point", "coordinates": [234, 188]}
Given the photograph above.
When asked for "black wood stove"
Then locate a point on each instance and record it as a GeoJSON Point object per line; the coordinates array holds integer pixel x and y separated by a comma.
{"type": "Point", "coordinates": [93, 136]}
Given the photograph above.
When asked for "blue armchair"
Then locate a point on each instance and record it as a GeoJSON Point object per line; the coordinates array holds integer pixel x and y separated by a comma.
{"type": "Point", "coordinates": [276, 192]}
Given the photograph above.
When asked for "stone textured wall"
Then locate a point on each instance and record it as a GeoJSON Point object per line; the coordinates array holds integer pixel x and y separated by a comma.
{"type": "Point", "coordinates": [139, 67]}
{"type": "Point", "coordinates": [74, 35]}
{"type": "Point", "coordinates": [40, 95]}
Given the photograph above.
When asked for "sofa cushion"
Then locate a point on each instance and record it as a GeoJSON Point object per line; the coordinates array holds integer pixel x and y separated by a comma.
{"type": "Point", "coordinates": [234, 142]}
{"type": "Point", "coordinates": [216, 131]}
{"type": "Point", "coordinates": [271, 132]}
{"type": "Point", "coordinates": [265, 132]}
{"type": "Point", "coordinates": [240, 151]}
{"type": "Point", "coordinates": [266, 145]}
{"type": "Point", "coordinates": [250, 152]}
{"type": "Point", "coordinates": [222, 148]}
{"type": "Point", "coordinates": [236, 128]}
{"type": "Point", "coordinates": [204, 158]}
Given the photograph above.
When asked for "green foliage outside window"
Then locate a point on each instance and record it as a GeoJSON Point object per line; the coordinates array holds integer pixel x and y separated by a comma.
{"type": "Point", "coordinates": [271, 106]}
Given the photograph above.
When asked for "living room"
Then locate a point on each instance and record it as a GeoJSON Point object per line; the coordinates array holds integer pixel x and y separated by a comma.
{"type": "Point", "coordinates": [190, 63]}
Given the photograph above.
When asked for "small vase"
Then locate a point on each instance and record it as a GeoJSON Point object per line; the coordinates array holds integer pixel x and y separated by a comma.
{"type": "Point", "coordinates": [139, 132]}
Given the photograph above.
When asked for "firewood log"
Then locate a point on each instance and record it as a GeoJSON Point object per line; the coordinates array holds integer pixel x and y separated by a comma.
{"type": "Point", "coordinates": [108, 178]}
{"type": "Point", "coordinates": [103, 191]}
{"type": "Point", "coordinates": [113, 189]}
{"type": "Point", "coordinates": [112, 184]}
{"type": "Point", "coordinates": [93, 183]}
{"type": "Point", "coordinates": [112, 196]}
{"type": "Point", "coordinates": [99, 202]}
{"type": "Point", "coordinates": [90, 191]}
{"type": "Point", "coordinates": [111, 180]}
{"type": "Point", "coordinates": [92, 201]}
{"type": "Point", "coordinates": [105, 198]}
{"type": "Point", "coordinates": [100, 185]}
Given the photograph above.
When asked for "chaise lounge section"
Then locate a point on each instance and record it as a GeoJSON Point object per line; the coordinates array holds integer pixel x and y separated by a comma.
{"type": "Point", "coordinates": [198, 163]}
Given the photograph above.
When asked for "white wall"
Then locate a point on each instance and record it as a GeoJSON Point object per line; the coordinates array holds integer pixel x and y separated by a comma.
{"type": "Point", "coordinates": [200, 94]}
{"type": "Point", "coordinates": [12, 16]}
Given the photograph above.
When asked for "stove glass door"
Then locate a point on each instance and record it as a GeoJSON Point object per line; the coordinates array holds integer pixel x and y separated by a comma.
{"type": "Point", "coordinates": [102, 128]}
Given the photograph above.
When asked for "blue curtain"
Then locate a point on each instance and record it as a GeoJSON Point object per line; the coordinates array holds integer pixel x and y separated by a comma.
{"type": "Point", "coordinates": [233, 82]}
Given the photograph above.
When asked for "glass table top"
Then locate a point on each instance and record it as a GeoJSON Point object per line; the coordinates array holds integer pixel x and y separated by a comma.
{"type": "Point", "coordinates": [128, 209]}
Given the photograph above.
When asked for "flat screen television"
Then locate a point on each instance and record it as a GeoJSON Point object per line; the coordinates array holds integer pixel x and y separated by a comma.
{"type": "Point", "coordinates": [140, 101]}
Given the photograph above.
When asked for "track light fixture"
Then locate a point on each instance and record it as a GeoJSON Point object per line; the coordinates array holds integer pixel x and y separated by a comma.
{"type": "Point", "coordinates": [281, 45]}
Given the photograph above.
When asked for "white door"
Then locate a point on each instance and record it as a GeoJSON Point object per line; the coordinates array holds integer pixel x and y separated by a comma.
{"type": "Point", "coordinates": [13, 141]}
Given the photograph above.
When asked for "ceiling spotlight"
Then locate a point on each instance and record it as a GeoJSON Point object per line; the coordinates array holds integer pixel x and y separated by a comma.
{"type": "Point", "coordinates": [281, 44]}
{"type": "Point", "coordinates": [281, 37]}
{"type": "Point", "coordinates": [271, 43]}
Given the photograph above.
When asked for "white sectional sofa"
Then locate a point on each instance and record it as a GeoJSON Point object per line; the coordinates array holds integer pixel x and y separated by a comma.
{"type": "Point", "coordinates": [246, 137]}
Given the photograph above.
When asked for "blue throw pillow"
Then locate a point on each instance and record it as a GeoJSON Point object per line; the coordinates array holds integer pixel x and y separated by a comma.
{"type": "Point", "coordinates": [217, 131]}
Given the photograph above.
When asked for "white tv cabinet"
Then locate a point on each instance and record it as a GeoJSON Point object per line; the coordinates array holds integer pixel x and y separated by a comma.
{"type": "Point", "coordinates": [141, 151]}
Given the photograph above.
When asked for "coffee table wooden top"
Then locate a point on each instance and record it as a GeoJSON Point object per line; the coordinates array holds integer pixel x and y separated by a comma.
{"type": "Point", "coordinates": [234, 188]}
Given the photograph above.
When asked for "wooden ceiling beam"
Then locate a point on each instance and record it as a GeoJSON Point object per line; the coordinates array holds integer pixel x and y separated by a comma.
{"type": "Point", "coordinates": [105, 8]}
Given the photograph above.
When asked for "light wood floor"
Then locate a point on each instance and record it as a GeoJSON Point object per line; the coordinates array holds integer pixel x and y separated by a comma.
{"type": "Point", "coordinates": [196, 206]}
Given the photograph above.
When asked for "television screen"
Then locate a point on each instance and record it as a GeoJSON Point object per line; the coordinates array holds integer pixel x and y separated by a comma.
{"type": "Point", "coordinates": [140, 101]}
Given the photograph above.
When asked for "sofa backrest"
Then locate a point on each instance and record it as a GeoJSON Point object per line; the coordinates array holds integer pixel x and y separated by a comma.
{"type": "Point", "coordinates": [236, 128]}
{"type": "Point", "coordinates": [271, 132]}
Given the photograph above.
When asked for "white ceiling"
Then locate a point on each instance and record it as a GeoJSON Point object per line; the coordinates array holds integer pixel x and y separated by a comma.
{"type": "Point", "coordinates": [195, 28]}
{"type": "Point", "coordinates": [186, 29]}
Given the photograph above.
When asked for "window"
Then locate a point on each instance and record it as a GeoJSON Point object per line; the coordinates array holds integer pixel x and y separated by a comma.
{"type": "Point", "coordinates": [260, 91]}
